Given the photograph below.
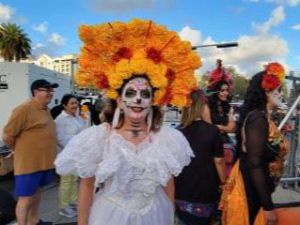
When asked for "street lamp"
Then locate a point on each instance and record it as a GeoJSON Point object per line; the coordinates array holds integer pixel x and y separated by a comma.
{"type": "Point", "coordinates": [222, 45]}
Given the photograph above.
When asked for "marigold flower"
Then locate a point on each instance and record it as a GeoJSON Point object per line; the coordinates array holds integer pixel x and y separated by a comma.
{"type": "Point", "coordinates": [114, 52]}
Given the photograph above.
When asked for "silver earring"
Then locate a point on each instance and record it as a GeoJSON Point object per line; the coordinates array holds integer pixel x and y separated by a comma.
{"type": "Point", "coordinates": [149, 119]}
{"type": "Point", "coordinates": [116, 118]}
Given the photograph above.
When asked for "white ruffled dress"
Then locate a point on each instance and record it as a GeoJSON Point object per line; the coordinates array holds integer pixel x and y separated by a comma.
{"type": "Point", "coordinates": [133, 175]}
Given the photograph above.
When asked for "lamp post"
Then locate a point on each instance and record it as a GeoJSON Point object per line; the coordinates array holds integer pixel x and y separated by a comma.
{"type": "Point", "coordinates": [222, 45]}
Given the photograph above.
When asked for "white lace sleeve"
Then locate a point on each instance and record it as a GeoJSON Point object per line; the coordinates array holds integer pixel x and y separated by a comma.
{"type": "Point", "coordinates": [176, 153]}
{"type": "Point", "coordinates": [83, 153]}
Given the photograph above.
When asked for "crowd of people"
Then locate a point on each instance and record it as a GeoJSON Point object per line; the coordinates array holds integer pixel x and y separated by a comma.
{"type": "Point", "coordinates": [133, 170]}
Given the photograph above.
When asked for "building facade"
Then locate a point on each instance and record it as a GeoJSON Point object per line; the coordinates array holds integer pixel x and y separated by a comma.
{"type": "Point", "coordinates": [66, 64]}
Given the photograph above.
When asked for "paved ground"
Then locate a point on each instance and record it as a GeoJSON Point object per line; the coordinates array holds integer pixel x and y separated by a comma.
{"type": "Point", "coordinates": [49, 209]}
{"type": "Point", "coordinates": [49, 205]}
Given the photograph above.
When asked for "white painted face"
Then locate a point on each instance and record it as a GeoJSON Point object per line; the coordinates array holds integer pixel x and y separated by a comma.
{"type": "Point", "coordinates": [275, 97]}
{"type": "Point", "coordinates": [136, 98]}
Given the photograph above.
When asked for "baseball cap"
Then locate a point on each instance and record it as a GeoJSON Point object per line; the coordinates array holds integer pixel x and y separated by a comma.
{"type": "Point", "coordinates": [42, 83]}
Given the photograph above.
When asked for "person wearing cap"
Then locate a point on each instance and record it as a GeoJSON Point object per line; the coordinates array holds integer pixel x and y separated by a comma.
{"type": "Point", "coordinates": [30, 132]}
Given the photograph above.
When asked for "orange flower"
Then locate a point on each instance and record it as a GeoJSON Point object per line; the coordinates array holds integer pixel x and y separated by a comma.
{"type": "Point", "coordinates": [276, 69]}
{"type": "Point", "coordinates": [114, 52]}
{"type": "Point", "coordinates": [273, 76]}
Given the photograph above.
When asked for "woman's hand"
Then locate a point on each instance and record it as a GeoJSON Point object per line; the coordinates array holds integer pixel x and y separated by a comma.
{"type": "Point", "coordinates": [271, 217]}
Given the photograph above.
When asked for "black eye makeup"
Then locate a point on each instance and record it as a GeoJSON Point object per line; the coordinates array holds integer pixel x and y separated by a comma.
{"type": "Point", "coordinates": [145, 93]}
{"type": "Point", "coordinates": [130, 93]}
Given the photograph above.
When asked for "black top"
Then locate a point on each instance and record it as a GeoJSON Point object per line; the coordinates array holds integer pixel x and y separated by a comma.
{"type": "Point", "coordinates": [219, 116]}
{"type": "Point", "coordinates": [254, 162]}
{"type": "Point", "coordinates": [199, 181]}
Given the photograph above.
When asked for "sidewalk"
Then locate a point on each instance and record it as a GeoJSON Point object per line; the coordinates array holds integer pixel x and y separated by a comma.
{"type": "Point", "coordinates": [49, 203]}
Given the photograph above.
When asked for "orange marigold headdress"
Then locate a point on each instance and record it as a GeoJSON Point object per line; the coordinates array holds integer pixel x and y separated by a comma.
{"type": "Point", "coordinates": [114, 52]}
{"type": "Point", "coordinates": [273, 77]}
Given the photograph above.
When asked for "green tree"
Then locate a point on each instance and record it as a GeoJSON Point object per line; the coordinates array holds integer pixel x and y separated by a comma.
{"type": "Point", "coordinates": [14, 43]}
{"type": "Point", "coordinates": [240, 84]}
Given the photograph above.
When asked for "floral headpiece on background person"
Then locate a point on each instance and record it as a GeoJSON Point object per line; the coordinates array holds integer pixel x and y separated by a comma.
{"type": "Point", "coordinates": [219, 74]}
{"type": "Point", "coordinates": [273, 77]}
{"type": "Point", "coordinates": [117, 51]}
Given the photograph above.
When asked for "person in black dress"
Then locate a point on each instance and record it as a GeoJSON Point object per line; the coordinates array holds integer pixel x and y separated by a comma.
{"type": "Point", "coordinates": [261, 160]}
{"type": "Point", "coordinates": [197, 188]}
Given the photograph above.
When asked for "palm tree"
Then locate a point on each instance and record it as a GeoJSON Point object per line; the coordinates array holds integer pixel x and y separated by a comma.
{"type": "Point", "coordinates": [14, 43]}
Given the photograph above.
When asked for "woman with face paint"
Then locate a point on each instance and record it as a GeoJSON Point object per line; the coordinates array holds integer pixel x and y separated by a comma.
{"type": "Point", "coordinates": [261, 150]}
{"type": "Point", "coordinates": [131, 158]}
{"type": "Point", "coordinates": [219, 112]}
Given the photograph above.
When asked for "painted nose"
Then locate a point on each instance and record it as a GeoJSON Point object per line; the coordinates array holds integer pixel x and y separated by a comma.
{"type": "Point", "coordinates": [139, 101]}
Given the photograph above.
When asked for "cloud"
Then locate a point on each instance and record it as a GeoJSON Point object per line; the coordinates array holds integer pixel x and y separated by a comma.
{"type": "Point", "coordinates": [52, 46]}
{"type": "Point", "coordinates": [189, 34]}
{"type": "Point", "coordinates": [37, 46]}
{"type": "Point", "coordinates": [42, 28]}
{"type": "Point", "coordinates": [291, 3]}
{"type": "Point", "coordinates": [125, 6]}
{"type": "Point", "coordinates": [57, 39]}
{"type": "Point", "coordinates": [253, 51]}
{"type": "Point", "coordinates": [296, 27]}
{"type": "Point", "coordinates": [120, 5]}
{"type": "Point", "coordinates": [276, 18]}
{"type": "Point", "coordinates": [6, 13]}
{"type": "Point", "coordinates": [49, 48]}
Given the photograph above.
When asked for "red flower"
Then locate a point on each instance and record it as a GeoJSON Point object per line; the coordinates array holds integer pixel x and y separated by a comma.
{"type": "Point", "coordinates": [122, 53]}
{"type": "Point", "coordinates": [270, 82]}
{"type": "Point", "coordinates": [166, 99]}
{"type": "Point", "coordinates": [101, 80]}
{"type": "Point", "coordinates": [154, 54]}
{"type": "Point", "coordinates": [170, 74]}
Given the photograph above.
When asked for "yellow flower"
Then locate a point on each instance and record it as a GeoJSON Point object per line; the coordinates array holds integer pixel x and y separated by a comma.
{"type": "Point", "coordinates": [112, 94]}
{"type": "Point", "coordinates": [122, 50]}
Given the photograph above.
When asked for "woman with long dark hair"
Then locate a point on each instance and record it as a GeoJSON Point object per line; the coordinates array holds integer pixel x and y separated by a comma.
{"type": "Point", "coordinates": [219, 112]}
{"type": "Point", "coordinates": [261, 153]}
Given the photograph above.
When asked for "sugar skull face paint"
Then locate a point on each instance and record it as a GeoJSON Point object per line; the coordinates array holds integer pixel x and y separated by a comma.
{"type": "Point", "coordinates": [275, 98]}
{"type": "Point", "coordinates": [137, 98]}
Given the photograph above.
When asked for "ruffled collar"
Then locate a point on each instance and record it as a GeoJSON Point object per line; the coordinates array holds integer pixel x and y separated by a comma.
{"type": "Point", "coordinates": [134, 148]}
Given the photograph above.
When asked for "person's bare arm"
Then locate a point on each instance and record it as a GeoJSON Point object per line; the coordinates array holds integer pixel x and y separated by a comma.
{"type": "Point", "coordinates": [230, 126]}
{"type": "Point", "coordinates": [85, 199]}
{"type": "Point", "coordinates": [220, 166]}
{"type": "Point", "coordinates": [170, 190]}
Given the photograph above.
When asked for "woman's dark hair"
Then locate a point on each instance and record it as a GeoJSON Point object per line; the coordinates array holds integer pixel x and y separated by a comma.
{"type": "Point", "coordinates": [66, 98]}
{"type": "Point", "coordinates": [213, 103]}
{"type": "Point", "coordinates": [56, 110]}
{"type": "Point", "coordinates": [255, 99]}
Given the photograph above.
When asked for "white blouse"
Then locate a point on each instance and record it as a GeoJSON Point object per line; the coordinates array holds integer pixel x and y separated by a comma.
{"type": "Point", "coordinates": [131, 173]}
{"type": "Point", "coordinates": [67, 126]}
